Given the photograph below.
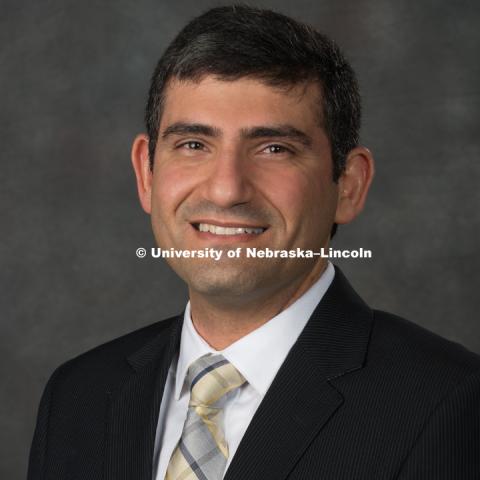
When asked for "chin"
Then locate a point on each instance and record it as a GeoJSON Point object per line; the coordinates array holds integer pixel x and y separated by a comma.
{"type": "Point", "coordinates": [218, 282]}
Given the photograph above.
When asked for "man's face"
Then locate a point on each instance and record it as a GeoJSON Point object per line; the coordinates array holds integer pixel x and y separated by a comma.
{"type": "Point", "coordinates": [242, 164]}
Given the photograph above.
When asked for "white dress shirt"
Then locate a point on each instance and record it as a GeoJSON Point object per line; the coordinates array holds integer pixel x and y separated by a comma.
{"type": "Point", "coordinates": [257, 356]}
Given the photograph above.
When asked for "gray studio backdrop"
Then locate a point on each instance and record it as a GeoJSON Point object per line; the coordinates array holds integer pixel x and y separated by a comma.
{"type": "Point", "coordinates": [74, 77]}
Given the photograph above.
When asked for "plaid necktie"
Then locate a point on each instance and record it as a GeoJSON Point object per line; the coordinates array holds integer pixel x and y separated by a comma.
{"type": "Point", "coordinates": [202, 452]}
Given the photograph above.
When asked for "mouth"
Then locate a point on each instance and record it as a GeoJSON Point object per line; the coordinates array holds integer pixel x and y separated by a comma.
{"type": "Point", "coordinates": [228, 230]}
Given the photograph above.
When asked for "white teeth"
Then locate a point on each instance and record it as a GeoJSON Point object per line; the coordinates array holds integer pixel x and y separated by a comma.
{"type": "Point", "coordinates": [206, 227]}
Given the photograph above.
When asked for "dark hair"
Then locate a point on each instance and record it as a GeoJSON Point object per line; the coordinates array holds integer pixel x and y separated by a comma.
{"type": "Point", "coordinates": [237, 41]}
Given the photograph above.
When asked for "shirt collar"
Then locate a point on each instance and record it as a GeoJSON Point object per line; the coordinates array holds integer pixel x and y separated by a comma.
{"type": "Point", "coordinates": [271, 342]}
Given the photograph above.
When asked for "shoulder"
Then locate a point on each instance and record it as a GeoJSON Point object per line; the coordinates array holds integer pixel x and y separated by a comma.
{"type": "Point", "coordinates": [108, 363]}
{"type": "Point", "coordinates": [429, 391]}
{"type": "Point", "coordinates": [419, 360]}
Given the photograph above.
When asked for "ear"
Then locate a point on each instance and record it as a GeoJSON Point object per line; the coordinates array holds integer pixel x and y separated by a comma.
{"type": "Point", "coordinates": [353, 184]}
{"type": "Point", "coordinates": [141, 166]}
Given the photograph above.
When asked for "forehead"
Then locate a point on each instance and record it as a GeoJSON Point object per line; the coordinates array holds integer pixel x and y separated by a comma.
{"type": "Point", "coordinates": [242, 102]}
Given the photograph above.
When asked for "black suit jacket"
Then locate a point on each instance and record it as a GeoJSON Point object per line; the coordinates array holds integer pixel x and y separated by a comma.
{"type": "Point", "coordinates": [362, 395]}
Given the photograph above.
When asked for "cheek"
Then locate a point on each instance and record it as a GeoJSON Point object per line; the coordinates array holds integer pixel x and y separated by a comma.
{"type": "Point", "coordinates": [307, 205]}
{"type": "Point", "coordinates": [296, 195]}
{"type": "Point", "coordinates": [171, 185]}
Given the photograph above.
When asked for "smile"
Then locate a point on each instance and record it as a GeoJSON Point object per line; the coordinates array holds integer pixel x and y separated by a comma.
{"type": "Point", "coordinates": [227, 230]}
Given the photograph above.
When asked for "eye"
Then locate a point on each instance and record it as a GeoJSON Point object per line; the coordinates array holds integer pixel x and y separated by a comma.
{"type": "Point", "coordinates": [276, 149]}
{"type": "Point", "coordinates": [192, 145]}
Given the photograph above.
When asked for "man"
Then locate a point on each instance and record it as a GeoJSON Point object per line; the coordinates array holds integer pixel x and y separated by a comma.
{"type": "Point", "coordinates": [276, 369]}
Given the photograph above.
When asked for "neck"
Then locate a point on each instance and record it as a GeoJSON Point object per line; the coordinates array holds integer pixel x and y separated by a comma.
{"type": "Point", "coordinates": [222, 323]}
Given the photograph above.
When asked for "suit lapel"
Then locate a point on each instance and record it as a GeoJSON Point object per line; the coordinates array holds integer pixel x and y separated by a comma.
{"type": "Point", "coordinates": [134, 407]}
{"type": "Point", "coordinates": [301, 399]}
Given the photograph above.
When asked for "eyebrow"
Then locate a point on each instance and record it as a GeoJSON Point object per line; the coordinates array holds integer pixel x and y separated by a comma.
{"type": "Point", "coordinates": [183, 128]}
{"type": "Point", "coordinates": [278, 131]}
{"type": "Point", "coordinates": [269, 131]}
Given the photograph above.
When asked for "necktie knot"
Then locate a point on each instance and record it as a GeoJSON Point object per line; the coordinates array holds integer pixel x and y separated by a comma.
{"type": "Point", "coordinates": [210, 378]}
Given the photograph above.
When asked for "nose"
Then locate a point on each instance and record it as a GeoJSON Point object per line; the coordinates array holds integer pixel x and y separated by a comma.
{"type": "Point", "coordinates": [229, 180]}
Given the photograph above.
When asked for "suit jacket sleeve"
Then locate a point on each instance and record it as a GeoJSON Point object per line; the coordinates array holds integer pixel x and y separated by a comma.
{"type": "Point", "coordinates": [449, 446]}
{"type": "Point", "coordinates": [38, 450]}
